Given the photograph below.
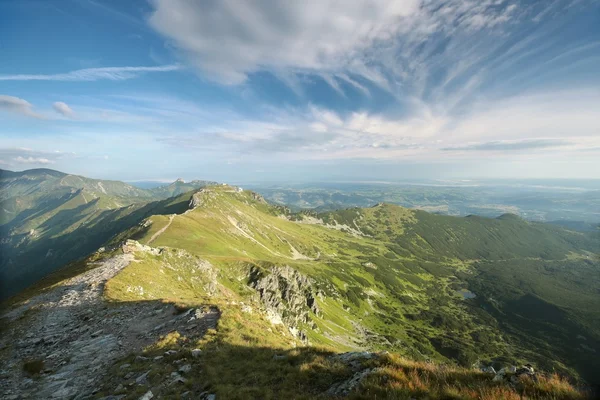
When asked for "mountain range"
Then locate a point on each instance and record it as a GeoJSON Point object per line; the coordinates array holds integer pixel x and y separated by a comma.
{"type": "Point", "coordinates": [50, 218]}
{"type": "Point", "coordinates": [413, 301]}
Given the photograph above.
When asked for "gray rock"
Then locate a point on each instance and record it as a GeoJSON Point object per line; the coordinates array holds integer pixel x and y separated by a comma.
{"type": "Point", "coordinates": [176, 378]}
{"type": "Point", "coordinates": [158, 358]}
{"type": "Point", "coordinates": [170, 352]}
{"type": "Point", "coordinates": [196, 353]}
{"type": "Point", "coordinates": [142, 379]}
{"type": "Point", "coordinates": [185, 368]}
{"type": "Point", "coordinates": [149, 395]}
{"type": "Point", "coordinates": [489, 370]}
{"type": "Point", "coordinates": [125, 366]}
{"type": "Point", "coordinates": [345, 387]}
{"type": "Point", "coordinates": [211, 396]}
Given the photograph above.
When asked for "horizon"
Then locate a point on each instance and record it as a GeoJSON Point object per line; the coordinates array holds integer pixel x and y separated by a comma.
{"type": "Point", "coordinates": [371, 90]}
{"type": "Point", "coordinates": [561, 184]}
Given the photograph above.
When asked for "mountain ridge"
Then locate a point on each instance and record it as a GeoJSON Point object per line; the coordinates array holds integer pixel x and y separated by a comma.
{"type": "Point", "coordinates": [437, 290]}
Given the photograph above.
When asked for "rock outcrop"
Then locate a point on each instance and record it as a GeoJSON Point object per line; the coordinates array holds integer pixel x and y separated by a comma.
{"type": "Point", "coordinates": [287, 296]}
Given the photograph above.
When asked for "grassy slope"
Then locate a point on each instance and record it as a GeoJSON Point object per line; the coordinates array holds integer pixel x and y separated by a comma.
{"type": "Point", "coordinates": [396, 289]}
{"type": "Point", "coordinates": [48, 218]}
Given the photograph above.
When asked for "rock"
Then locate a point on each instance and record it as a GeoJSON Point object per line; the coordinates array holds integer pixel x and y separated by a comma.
{"type": "Point", "coordinates": [97, 333]}
{"type": "Point", "coordinates": [279, 357]}
{"type": "Point", "coordinates": [158, 358]}
{"type": "Point", "coordinates": [149, 395]}
{"type": "Point", "coordinates": [119, 388]}
{"type": "Point", "coordinates": [125, 366]}
{"type": "Point", "coordinates": [489, 370]}
{"type": "Point", "coordinates": [512, 369]}
{"type": "Point", "coordinates": [344, 388]}
{"type": "Point", "coordinates": [288, 296]}
{"type": "Point", "coordinates": [141, 358]}
{"type": "Point", "coordinates": [170, 352]}
{"type": "Point", "coordinates": [196, 353]}
{"type": "Point", "coordinates": [525, 369]}
{"type": "Point", "coordinates": [185, 368]}
{"type": "Point", "coordinates": [185, 395]}
{"type": "Point", "coordinates": [211, 396]}
{"type": "Point", "coordinates": [131, 246]}
{"type": "Point", "coordinates": [176, 378]}
{"type": "Point", "coordinates": [142, 379]}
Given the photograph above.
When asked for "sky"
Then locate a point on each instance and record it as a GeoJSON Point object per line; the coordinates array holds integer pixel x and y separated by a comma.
{"type": "Point", "coordinates": [266, 90]}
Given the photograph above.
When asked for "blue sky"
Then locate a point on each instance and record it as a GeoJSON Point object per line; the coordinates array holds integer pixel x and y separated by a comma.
{"type": "Point", "coordinates": [271, 90]}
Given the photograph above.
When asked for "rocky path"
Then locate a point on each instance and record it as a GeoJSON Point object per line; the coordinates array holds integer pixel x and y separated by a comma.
{"type": "Point", "coordinates": [73, 335]}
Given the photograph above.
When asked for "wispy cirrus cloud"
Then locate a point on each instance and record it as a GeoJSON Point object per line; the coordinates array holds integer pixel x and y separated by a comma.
{"type": "Point", "coordinates": [518, 145]}
{"type": "Point", "coordinates": [93, 74]}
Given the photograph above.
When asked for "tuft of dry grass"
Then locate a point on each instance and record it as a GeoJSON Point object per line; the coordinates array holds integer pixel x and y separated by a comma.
{"type": "Point", "coordinates": [400, 378]}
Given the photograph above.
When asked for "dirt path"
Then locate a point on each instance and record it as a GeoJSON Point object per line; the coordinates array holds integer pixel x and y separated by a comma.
{"type": "Point", "coordinates": [78, 335]}
{"type": "Point", "coordinates": [161, 231]}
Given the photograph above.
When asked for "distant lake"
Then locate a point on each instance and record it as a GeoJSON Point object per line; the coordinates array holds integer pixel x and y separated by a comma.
{"type": "Point", "coordinates": [466, 294]}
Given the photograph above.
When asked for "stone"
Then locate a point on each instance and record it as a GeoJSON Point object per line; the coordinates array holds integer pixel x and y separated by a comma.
{"type": "Point", "coordinates": [211, 396]}
{"type": "Point", "coordinates": [185, 368]}
{"type": "Point", "coordinates": [141, 358]}
{"type": "Point", "coordinates": [158, 358]}
{"type": "Point", "coordinates": [149, 395]}
{"type": "Point", "coordinates": [489, 370]}
{"type": "Point", "coordinates": [142, 379]}
{"type": "Point", "coordinates": [125, 366]}
{"type": "Point", "coordinates": [176, 378]}
{"type": "Point", "coordinates": [279, 357]}
{"type": "Point", "coordinates": [170, 352]}
{"type": "Point", "coordinates": [196, 353]}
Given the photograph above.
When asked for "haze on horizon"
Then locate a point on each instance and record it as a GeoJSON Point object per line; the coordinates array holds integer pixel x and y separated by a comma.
{"type": "Point", "coordinates": [317, 90]}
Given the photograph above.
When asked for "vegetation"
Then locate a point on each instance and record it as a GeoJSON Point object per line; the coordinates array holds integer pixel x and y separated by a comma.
{"type": "Point", "coordinates": [391, 280]}
{"type": "Point", "coordinates": [441, 293]}
{"type": "Point", "coordinates": [49, 219]}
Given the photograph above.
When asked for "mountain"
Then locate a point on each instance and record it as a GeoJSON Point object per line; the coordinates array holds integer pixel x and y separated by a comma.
{"type": "Point", "coordinates": [50, 218]}
{"type": "Point", "coordinates": [178, 187]}
{"type": "Point", "coordinates": [533, 200]}
{"type": "Point", "coordinates": [218, 292]}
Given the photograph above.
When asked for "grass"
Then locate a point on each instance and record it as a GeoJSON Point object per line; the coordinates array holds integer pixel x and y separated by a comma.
{"type": "Point", "coordinates": [400, 283]}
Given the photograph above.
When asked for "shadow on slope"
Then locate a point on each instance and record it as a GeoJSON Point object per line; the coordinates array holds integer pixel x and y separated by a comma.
{"type": "Point", "coordinates": [20, 267]}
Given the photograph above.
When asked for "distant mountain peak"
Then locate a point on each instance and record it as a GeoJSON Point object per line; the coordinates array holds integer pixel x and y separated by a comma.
{"type": "Point", "coordinates": [179, 180]}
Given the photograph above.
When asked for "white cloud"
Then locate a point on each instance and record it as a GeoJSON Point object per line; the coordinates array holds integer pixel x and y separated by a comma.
{"type": "Point", "coordinates": [16, 156]}
{"type": "Point", "coordinates": [92, 74]}
{"type": "Point", "coordinates": [63, 109]}
{"type": "Point", "coordinates": [33, 160]}
{"type": "Point", "coordinates": [541, 123]}
{"type": "Point", "coordinates": [18, 106]}
{"type": "Point", "coordinates": [228, 40]}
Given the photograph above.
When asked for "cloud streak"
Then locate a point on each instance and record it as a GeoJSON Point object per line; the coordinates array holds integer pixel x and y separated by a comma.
{"type": "Point", "coordinates": [93, 74]}
{"type": "Point", "coordinates": [18, 106]}
{"type": "Point", "coordinates": [23, 156]}
{"type": "Point", "coordinates": [63, 109]}
{"type": "Point", "coordinates": [519, 145]}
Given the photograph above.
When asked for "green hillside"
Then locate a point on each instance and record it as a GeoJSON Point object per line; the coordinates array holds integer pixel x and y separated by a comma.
{"type": "Point", "coordinates": [458, 290]}
{"type": "Point", "coordinates": [49, 218]}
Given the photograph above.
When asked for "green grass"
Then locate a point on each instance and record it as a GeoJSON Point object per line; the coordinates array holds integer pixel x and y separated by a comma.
{"type": "Point", "coordinates": [395, 287]}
